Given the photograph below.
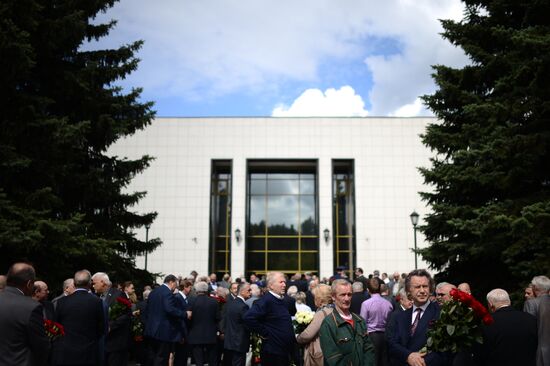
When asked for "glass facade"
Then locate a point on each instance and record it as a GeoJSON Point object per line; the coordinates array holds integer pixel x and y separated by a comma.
{"type": "Point", "coordinates": [343, 214]}
{"type": "Point", "coordinates": [220, 218]}
{"type": "Point", "coordinates": [282, 217]}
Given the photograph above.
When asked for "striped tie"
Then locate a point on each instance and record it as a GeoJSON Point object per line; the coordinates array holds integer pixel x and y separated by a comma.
{"type": "Point", "coordinates": [416, 320]}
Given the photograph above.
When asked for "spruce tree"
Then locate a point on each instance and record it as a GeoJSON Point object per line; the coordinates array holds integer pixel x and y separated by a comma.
{"type": "Point", "coordinates": [490, 220]}
{"type": "Point", "coordinates": [63, 199]}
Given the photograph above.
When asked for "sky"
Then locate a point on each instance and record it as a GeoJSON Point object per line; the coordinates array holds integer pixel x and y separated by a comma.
{"type": "Point", "coordinates": [239, 58]}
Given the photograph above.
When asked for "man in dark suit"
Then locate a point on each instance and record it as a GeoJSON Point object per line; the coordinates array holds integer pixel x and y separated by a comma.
{"type": "Point", "coordinates": [511, 339]}
{"type": "Point", "coordinates": [358, 297]}
{"type": "Point", "coordinates": [411, 326]}
{"type": "Point", "coordinates": [164, 319]}
{"type": "Point", "coordinates": [83, 318]}
{"type": "Point", "coordinates": [40, 293]}
{"type": "Point", "coordinates": [237, 336]}
{"type": "Point", "coordinates": [183, 350]}
{"type": "Point", "coordinates": [118, 337]}
{"type": "Point", "coordinates": [23, 340]}
{"type": "Point", "coordinates": [203, 325]}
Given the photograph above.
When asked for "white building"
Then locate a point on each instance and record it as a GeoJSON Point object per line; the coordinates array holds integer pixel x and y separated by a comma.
{"type": "Point", "coordinates": [290, 194]}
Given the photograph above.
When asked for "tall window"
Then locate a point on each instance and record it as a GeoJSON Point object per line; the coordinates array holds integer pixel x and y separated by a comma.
{"type": "Point", "coordinates": [220, 217]}
{"type": "Point", "coordinates": [282, 224]}
{"type": "Point", "coordinates": [343, 214]}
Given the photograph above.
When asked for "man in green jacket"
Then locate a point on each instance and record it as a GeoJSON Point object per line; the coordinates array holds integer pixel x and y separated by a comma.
{"type": "Point", "coordinates": [343, 335]}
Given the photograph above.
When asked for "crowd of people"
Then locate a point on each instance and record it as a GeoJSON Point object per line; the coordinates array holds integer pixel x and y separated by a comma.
{"type": "Point", "coordinates": [375, 319]}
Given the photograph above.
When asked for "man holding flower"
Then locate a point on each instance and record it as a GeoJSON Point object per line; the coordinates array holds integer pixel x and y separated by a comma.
{"type": "Point", "coordinates": [411, 326]}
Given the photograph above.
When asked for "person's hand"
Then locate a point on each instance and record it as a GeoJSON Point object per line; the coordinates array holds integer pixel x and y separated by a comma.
{"type": "Point", "coordinates": [416, 359]}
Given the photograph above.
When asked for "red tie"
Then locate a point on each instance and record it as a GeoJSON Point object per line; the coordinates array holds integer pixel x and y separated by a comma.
{"type": "Point", "coordinates": [416, 320]}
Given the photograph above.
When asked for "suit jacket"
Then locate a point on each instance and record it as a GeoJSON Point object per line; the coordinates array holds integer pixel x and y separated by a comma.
{"type": "Point", "coordinates": [119, 336]}
{"type": "Point", "coordinates": [510, 340]}
{"type": "Point", "coordinates": [164, 316]}
{"type": "Point", "coordinates": [237, 336]}
{"type": "Point", "coordinates": [83, 318]}
{"type": "Point", "coordinates": [48, 309]}
{"type": "Point", "coordinates": [180, 301]}
{"type": "Point", "coordinates": [203, 326]}
{"type": "Point", "coordinates": [401, 344]}
{"type": "Point", "coordinates": [543, 322]}
{"type": "Point", "coordinates": [357, 299]}
{"type": "Point", "coordinates": [23, 340]}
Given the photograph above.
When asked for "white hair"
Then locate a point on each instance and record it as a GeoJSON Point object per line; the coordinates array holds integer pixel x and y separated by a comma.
{"type": "Point", "coordinates": [103, 277]}
{"type": "Point", "coordinates": [498, 298]}
{"type": "Point", "coordinates": [542, 283]}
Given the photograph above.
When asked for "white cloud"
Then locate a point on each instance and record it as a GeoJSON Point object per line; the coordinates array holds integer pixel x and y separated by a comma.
{"type": "Point", "coordinates": [332, 103]}
{"type": "Point", "coordinates": [413, 109]}
{"type": "Point", "coordinates": [198, 50]}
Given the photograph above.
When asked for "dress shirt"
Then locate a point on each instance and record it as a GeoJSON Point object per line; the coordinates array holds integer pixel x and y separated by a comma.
{"type": "Point", "coordinates": [423, 307]}
{"type": "Point", "coordinates": [375, 311]}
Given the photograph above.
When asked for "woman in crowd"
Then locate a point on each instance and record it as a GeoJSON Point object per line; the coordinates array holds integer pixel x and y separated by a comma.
{"type": "Point", "coordinates": [301, 302]}
{"type": "Point", "coordinates": [313, 355]}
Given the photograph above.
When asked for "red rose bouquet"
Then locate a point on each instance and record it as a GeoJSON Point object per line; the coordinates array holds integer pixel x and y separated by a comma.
{"type": "Point", "coordinates": [120, 307]}
{"type": "Point", "coordinates": [459, 325]}
{"type": "Point", "coordinates": [53, 329]}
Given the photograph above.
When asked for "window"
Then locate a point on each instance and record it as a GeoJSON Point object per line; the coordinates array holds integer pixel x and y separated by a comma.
{"type": "Point", "coordinates": [282, 217]}
{"type": "Point", "coordinates": [343, 214]}
{"type": "Point", "coordinates": [220, 218]}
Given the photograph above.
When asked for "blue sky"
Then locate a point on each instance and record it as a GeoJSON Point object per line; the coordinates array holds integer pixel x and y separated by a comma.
{"type": "Point", "coordinates": [285, 57]}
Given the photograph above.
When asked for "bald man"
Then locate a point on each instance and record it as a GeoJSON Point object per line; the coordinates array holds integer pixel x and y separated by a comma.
{"type": "Point", "coordinates": [23, 340]}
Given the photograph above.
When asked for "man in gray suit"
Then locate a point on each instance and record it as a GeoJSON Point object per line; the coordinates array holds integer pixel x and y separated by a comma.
{"type": "Point", "coordinates": [23, 340]}
{"type": "Point", "coordinates": [540, 308]}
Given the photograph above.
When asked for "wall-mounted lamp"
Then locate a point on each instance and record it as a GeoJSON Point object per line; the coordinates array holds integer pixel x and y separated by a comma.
{"type": "Point", "coordinates": [238, 235]}
{"type": "Point", "coordinates": [194, 240]}
{"type": "Point", "coordinates": [326, 235]}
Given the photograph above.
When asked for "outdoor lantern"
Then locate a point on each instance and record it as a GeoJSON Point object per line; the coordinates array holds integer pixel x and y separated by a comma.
{"type": "Point", "coordinates": [238, 235]}
{"type": "Point", "coordinates": [326, 234]}
{"type": "Point", "coordinates": [414, 218]}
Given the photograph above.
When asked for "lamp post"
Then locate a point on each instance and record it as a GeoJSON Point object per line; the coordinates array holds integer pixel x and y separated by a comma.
{"type": "Point", "coordinates": [147, 227]}
{"type": "Point", "coordinates": [414, 221]}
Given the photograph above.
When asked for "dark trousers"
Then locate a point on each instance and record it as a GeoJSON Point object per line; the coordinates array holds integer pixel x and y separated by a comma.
{"type": "Point", "coordinates": [270, 359]}
{"type": "Point", "coordinates": [211, 351]}
{"type": "Point", "coordinates": [380, 348]}
{"type": "Point", "coordinates": [119, 358]}
{"type": "Point", "coordinates": [181, 354]}
{"type": "Point", "coordinates": [235, 358]}
{"type": "Point", "coordinates": [160, 352]}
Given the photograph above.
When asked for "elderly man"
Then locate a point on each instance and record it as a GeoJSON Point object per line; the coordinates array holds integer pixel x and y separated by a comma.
{"type": "Point", "coordinates": [443, 292]}
{"type": "Point", "coordinates": [40, 293]}
{"type": "Point", "coordinates": [343, 334]}
{"type": "Point", "coordinates": [22, 337]}
{"type": "Point", "coordinates": [117, 340]}
{"type": "Point", "coordinates": [511, 339]}
{"type": "Point", "coordinates": [465, 287]}
{"type": "Point", "coordinates": [83, 317]}
{"type": "Point", "coordinates": [270, 318]}
{"type": "Point", "coordinates": [205, 316]}
{"type": "Point", "coordinates": [410, 333]}
{"type": "Point", "coordinates": [68, 288]}
{"type": "Point", "coordinates": [540, 308]}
